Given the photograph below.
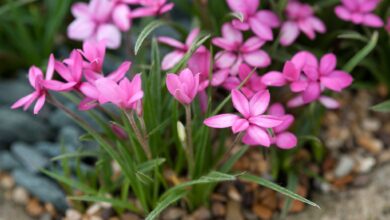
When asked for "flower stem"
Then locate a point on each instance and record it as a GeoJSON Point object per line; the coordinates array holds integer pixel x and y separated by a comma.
{"type": "Point", "coordinates": [189, 148]}
{"type": "Point", "coordinates": [141, 139]}
{"type": "Point", "coordinates": [230, 149]}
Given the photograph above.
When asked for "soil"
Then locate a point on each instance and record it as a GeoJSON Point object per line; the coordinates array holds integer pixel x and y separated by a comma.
{"type": "Point", "coordinates": [9, 210]}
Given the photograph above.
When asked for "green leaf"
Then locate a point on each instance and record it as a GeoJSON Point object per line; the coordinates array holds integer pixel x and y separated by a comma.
{"type": "Point", "coordinates": [150, 165]}
{"type": "Point", "coordinates": [146, 32]}
{"type": "Point", "coordinates": [75, 155]}
{"type": "Point", "coordinates": [163, 204]}
{"type": "Point", "coordinates": [353, 35]}
{"type": "Point", "coordinates": [70, 182]}
{"type": "Point", "coordinates": [355, 60]}
{"type": "Point", "coordinates": [276, 187]}
{"type": "Point", "coordinates": [382, 107]}
{"type": "Point", "coordinates": [114, 202]}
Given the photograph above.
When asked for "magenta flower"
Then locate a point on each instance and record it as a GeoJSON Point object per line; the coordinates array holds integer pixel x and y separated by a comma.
{"type": "Point", "coordinates": [253, 122]}
{"type": "Point", "coordinates": [200, 63]}
{"type": "Point", "coordinates": [317, 78]}
{"type": "Point", "coordinates": [260, 22]}
{"type": "Point", "coordinates": [184, 86]}
{"type": "Point", "coordinates": [72, 70]}
{"type": "Point", "coordinates": [300, 17]}
{"type": "Point", "coordinates": [124, 95]}
{"type": "Point", "coordinates": [89, 88]}
{"type": "Point", "coordinates": [236, 51]}
{"type": "Point", "coordinates": [252, 86]}
{"type": "Point", "coordinates": [41, 85]}
{"type": "Point", "coordinates": [99, 20]}
{"type": "Point", "coordinates": [94, 53]}
{"type": "Point", "coordinates": [152, 8]}
{"type": "Point", "coordinates": [359, 12]}
{"type": "Point", "coordinates": [173, 58]}
{"type": "Point", "coordinates": [282, 138]}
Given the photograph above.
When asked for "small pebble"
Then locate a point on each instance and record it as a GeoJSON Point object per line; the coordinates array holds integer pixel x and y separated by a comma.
{"type": "Point", "coordinates": [34, 208]}
{"type": "Point", "coordinates": [366, 164]}
{"type": "Point", "coordinates": [94, 209]}
{"type": "Point", "coordinates": [202, 213]}
{"type": "Point", "coordinates": [262, 211]}
{"type": "Point", "coordinates": [7, 182]}
{"type": "Point", "coordinates": [218, 209]}
{"type": "Point", "coordinates": [234, 211]}
{"type": "Point", "coordinates": [344, 166]}
{"type": "Point", "coordinates": [20, 196]}
{"type": "Point", "coordinates": [72, 214]}
{"type": "Point", "coordinates": [234, 194]}
{"type": "Point", "coordinates": [371, 124]}
{"type": "Point", "coordinates": [173, 213]}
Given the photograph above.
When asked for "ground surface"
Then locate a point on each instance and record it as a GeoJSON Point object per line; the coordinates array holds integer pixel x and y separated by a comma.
{"type": "Point", "coordinates": [10, 211]}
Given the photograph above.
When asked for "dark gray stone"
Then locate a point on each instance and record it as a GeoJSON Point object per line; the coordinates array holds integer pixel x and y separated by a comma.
{"type": "Point", "coordinates": [8, 161]}
{"type": "Point", "coordinates": [20, 126]}
{"type": "Point", "coordinates": [13, 90]}
{"type": "Point", "coordinates": [41, 187]}
{"type": "Point", "coordinates": [48, 149]}
{"type": "Point", "coordinates": [29, 157]}
{"type": "Point", "coordinates": [69, 137]}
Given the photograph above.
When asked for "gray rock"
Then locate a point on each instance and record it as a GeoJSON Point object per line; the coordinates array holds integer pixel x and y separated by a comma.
{"type": "Point", "coordinates": [48, 149]}
{"type": "Point", "coordinates": [41, 187]}
{"type": "Point", "coordinates": [29, 157]}
{"type": "Point", "coordinates": [13, 90]}
{"type": "Point", "coordinates": [20, 126]}
{"type": "Point", "coordinates": [69, 137]}
{"type": "Point", "coordinates": [8, 161]}
{"type": "Point", "coordinates": [344, 166]}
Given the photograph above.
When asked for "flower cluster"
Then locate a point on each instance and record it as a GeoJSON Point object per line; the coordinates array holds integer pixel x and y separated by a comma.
{"type": "Point", "coordinates": [82, 72]}
{"type": "Point", "coordinates": [359, 12]}
{"type": "Point", "coordinates": [105, 19]}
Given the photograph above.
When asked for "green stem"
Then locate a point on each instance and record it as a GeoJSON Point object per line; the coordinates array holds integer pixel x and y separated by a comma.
{"type": "Point", "coordinates": [144, 143]}
{"type": "Point", "coordinates": [189, 148]}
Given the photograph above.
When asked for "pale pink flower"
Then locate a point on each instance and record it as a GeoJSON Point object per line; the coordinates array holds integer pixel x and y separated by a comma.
{"type": "Point", "coordinates": [173, 58]}
{"type": "Point", "coordinates": [72, 69]}
{"type": "Point", "coordinates": [124, 95]}
{"type": "Point", "coordinates": [152, 8]}
{"type": "Point", "coordinates": [99, 20]}
{"type": "Point", "coordinates": [300, 18]}
{"type": "Point", "coordinates": [41, 85]}
{"type": "Point", "coordinates": [317, 78]}
{"type": "Point", "coordinates": [359, 12]}
{"type": "Point", "coordinates": [236, 51]}
{"type": "Point", "coordinates": [94, 53]}
{"type": "Point", "coordinates": [229, 82]}
{"type": "Point", "coordinates": [89, 89]}
{"type": "Point", "coordinates": [184, 86]}
{"type": "Point", "coordinates": [282, 138]}
{"type": "Point", "coordinates": [260, 22]}
{"type": "Point", "coordinates": [253, 121]}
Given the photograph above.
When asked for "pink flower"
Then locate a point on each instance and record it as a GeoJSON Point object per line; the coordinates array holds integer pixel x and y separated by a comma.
{"type": "Point", "coordinates": [200, 63]}
{"type": "Point", "coordinates": [253, 122]}
{"type": "Point", "coordinates": [282, 138]}
{"type": "Point", "coordinates": [184, 86]}
{"type": "Point", "coordinates": [173, 58]}
{"type": "Point", "coordinates": [260, 22]}
{"type": "Point", "coordinates": [72, 70]}
{"type": "Point", "coordinates": [41, 85]}
{"type": "Point", "coordinates": [89, 88]}
{"type": "Point", "coordinates": [300, 17]}
{"type": "Point", "coordinates": [359, 12]}
{"type": "Point", "coordinates": [119, 131]}
{"type": "Point", "coordinates": [253, 85]}
{"type": "Point", "coordinates": [152, 8]}
{"type": "Point", "coordinates": [124, 94]}
{"type": "Point", "coordinates": [99, 20]}
{"type": "Point", "coordinates": [94, 53]}
{"type": "Point", "coordinates": [236, 51]}
{"type": "Point", "coordinates": [317, 78]}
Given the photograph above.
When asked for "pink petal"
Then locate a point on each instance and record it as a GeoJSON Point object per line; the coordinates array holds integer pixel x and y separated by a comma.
{"type": "Point", "coordinates": [121, 17]}
{"type": "Point", "coordinates": [298, 86]}
{"type": "Point", "coordinates": [252, 44]}
{"type": "Point", "coordinates": [337, 80]}
{"type": "Point", "coordinates": [231, 34]}
{"type": "Point", "coordinates": [286, 140]}
{"type": "Point", "coordinates": [166, 8]}
{"type": "Point", "coordinates": [224, 43]}
{"type": "Point", "coordinates": [89, 90]}
{"type": "Point", "coordinates": [34, 73]}
{"type": "Point", "coordinates": [295, 102]}
{"type": "Point", "coordinates": [240, 103]}
{"type": "Point", "coordinates": [58, 86]}
{"type": "Point", "coordinates": [87, 104]}
{"type": "Point", "coordinates": [231, 83]}
{"type": "Point", "coordinates": [288, 33]}
{"type": "Point", "coordinates": [303, 58]}
{"type": "Point", "coordinates": [120, 72]}
{"type": "Point", "coordinates": [269, 18]}
{"type": "Point", "coordinates": [28, 99]}
{"type": "Point", "coordinates": [372, 20]}
{"type": "Point", "coordinates": [173, 83]}
{"type": "Point", "coordinates": [244, 71]}
{"type": "Point", "coordinates": [63, 71]}
{"type": "Point", "coordinates": [259, 136]}
{"type": "Point", "coordinates": [367, 6]}
{"type": "Point", "coordinates": [317, 24]}
{"type": "Point", "coordinates": [50, 67]}
{"type": "Point", "coordinates": [328, 63]}
{"type": "Point", "coordinates": [80, 9]}
{"type": "Point", "coordinates": [259, 103]}
{"type": "Point", "coordinates": [81, 29]}
{"type": "Point", "coordinates": [39, 104]}
{"type": "Point", "coordinates": [312, 92]}
{"type": "Point", "coordinates": [110, 34]}
{"type": "Point", "coordinates": [343, 13]}
{"type": "Point", "coordinates": [329, 102]}
{"type": "Point", "coordinates": [224, 60]}
{"type": "Point", "coordinates": [171, 42]}
{"type": "Point", "coordinates": [221, 121]}
{"type": "Point", "coordinates": [276, 109]}
{"type": "Point", "coordinates": [192, 37]}
{"type": "Point", "coordinates": [351, 4]}
{"type": "Point", "coordinates": [306, 27]}
{"type": "Point", "coordinates": [240, 125]}
{"type": "Point", "coordinates": [109, 91]}
{"type": "Point", "coordinates": [101, 9]}
{"type": "Point", "coordinates": [219, 77]}
{"type": "Point", "coordinates": [257, 58]}
{"type": "Point", "coordinates": [287, 122]}
{"type": "Point", "coordinates": [243, 26]}
{"type": "Point", "coordinates": [261, 30]}
{"type": "Point", "coordinates": [290, 72]}
{"type": "Point", "coordinates": [266, 121]}
{"type": "Point", "coordinates": [311, 72]}
{"type": "Point", "coordinates": [171, 59]}
{"type": "Point", "coordinates": [245, 6]}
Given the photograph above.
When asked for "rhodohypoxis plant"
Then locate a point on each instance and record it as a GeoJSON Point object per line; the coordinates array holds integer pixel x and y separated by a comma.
{"type": "Point", "coordinates": [359, 12]}
{"type": "Point", "coordinates": [140, 114]}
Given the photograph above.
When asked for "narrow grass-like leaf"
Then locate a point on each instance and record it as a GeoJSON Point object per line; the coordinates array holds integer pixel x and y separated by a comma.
{"type": "Point", "coordinates": [163, 204]}
{"type": "Point", "coordinates": [70, 182]}
{"type": "Point", "coordinates": [150, 165]}
{"type": "Point", "coordinates": [355, 60]}
{"type": "Point", "coordinates": [353, 35]}
{"type": "Point", "coordinates": [75, 155]}
{"type": "Point", "coordinates": [382, 107]}
{"type": "Point", "coordinates": [146, 32]}
{"type": "Point", "coordinates": [276, 187]}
